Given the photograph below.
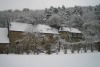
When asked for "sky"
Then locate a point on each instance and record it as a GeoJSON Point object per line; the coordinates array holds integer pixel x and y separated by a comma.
{"type": "Point", "coordinates": [42, 4]}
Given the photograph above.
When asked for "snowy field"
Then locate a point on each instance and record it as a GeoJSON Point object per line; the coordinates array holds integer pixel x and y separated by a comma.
{"type": "Point", "coordinates": [67, 60]}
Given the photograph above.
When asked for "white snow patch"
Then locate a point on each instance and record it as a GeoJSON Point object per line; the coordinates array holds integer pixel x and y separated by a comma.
{"type": "Point", "coordinates": [68, 60]}
{"type": "Point", "coordinates": [4, 35]}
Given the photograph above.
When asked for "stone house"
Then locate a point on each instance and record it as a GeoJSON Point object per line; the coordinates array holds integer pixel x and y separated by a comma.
{"type": "Point", "coordinates": [46, 35]}
{"type": "Point", "coordinates": [17, 34]}
{"type": "Point", "coordinates": [28, 35]}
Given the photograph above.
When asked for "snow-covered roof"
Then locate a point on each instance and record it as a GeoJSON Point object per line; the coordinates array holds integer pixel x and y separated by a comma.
{"type": "Point", "coordinates": [40, 28]}
{"type": "Point", "coordinates": [16, 26]}
{"type": "Point", "coordinates": [72, 30]}
{"type": "Point", "coordinates": [46, 29]}
{"type": "Point", "coordinates": [4, 35]}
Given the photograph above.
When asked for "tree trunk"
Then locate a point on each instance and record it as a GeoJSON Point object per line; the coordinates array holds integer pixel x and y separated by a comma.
{"type": "Point", "coordinates": [91, 48]}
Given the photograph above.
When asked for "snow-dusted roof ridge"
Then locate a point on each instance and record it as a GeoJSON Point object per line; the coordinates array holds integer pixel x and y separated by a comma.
{"type": "Point", "coordinates": [72, 30]}
{"type": "Point", "coordinates": [4, 35]}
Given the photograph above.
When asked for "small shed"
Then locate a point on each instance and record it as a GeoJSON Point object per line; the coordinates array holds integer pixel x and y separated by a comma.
{"type": "Point", "coordinates": [70, 34]}
{"type": "Point", "coordinates": [4, 39]}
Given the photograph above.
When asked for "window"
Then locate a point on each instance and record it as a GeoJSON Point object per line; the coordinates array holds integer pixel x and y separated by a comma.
{"type": "Point", "coordinates": [17, 42]}
{"type": "Point", "coordinates": [80, 35]}
{"type": "Point", "coordinates": [50, 36]}
{"type": "Point", "coordinates": [74, 35]}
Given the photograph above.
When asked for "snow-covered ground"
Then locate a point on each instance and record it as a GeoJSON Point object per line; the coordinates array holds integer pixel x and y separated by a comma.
{"type": "Point", "coordinates": [65, 60]}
